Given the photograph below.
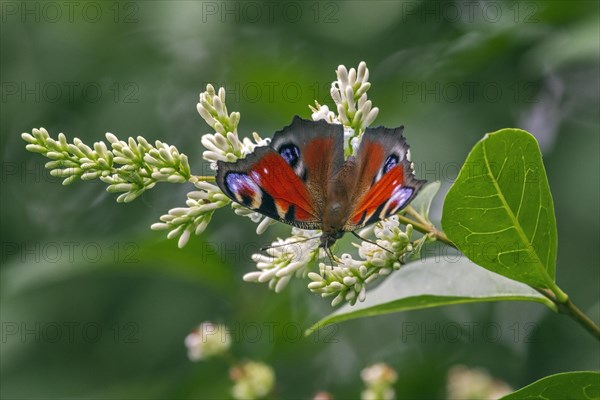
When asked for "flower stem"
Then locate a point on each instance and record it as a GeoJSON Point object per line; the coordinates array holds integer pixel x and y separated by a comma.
{"type": "Point", "coordinates": [427, 229]}
{"type": "Point", "coordinates": [418, 217]}
{"type": "Point", "coordinates": [569, 308]}
{"type": "Point", "coordinates": [203, 178]}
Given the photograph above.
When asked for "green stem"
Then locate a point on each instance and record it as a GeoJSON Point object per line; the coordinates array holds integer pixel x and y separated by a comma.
{"type": "Point", "coordinates": [418, 217]}
{"type": "Point", "coordinates": [427, 229]}
{"type": "Point", "coordinates": [569, 308]}
{"type": "Point", "coordinates": [563, 304]}
{"type": "Point", "coordinates": [202, 178]}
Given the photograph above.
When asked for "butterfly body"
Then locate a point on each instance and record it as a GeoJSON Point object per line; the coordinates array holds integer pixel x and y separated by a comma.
{"type": "Point", "coordinates": [302, 178]}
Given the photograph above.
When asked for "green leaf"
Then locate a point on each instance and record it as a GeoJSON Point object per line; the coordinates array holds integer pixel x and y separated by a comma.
{"type": "Point", "coordinates": [431, 283]}
{"type": "Point", "coordinates": [499, 211]}
{"type": "Point", "coordinates": [564, 386]}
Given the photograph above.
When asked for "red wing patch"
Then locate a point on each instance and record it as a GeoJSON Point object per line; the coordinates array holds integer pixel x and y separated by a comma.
{"type": "Point", "coordinates": [371, 159]}
{"type": "Point", "coordinates": [264, 182]}
{"type": "Point", "coordinates": [385, 198]}
{"type": "Point", "coordinates": [277, 179]}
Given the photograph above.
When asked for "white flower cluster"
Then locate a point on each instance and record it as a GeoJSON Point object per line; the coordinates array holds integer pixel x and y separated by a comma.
{"type": "Point", "coordinates": [347, 281]}
{"type": "Point", "coordinates": [224, 144]}
{"type": "Point", "coordinates": [207, 340]}
{"type": "Point", "coordinates": [129, 168]}
{"type": "Point", "coordinates": [133, 166]}
{"type": "Point", "coordinates": [201, 204]}
{"type": "Point", "coordinates": [262, 221]}
{"type": "Point", "coordinates": [378, 379]}
{"type": "Point", "coordinates": [355, 111]}
{"type": "Point", "coordinates": [212, 108]}
{"type": "Point", "coordinates": [143, 166]}
{"type": "Point", "coordinates": [285, 258]}
{"type": "Point", "coordinates": [252, 380]}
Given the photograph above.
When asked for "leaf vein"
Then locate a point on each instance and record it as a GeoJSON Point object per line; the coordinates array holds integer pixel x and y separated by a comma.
{"type": "Point", "coordinates": [511, 215]}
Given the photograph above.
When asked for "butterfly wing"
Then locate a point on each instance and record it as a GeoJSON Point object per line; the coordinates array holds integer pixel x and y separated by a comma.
{"type": "Point", "coordinates": [287, 180]}
{"type": "Point", "coordinates": [315, 151]}
{"type": "Point", "coordinates": [386, 182]}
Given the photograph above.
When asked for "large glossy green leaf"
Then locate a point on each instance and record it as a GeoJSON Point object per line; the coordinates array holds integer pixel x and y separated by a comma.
{"type": "Point", "coordinates": [499, 211]}
{"type": "Point", "coordinates": [564, 386]}
{"type": "Point", "coordinates": [431, 283]}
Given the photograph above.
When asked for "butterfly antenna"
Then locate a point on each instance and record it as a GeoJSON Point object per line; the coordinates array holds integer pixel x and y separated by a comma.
{"type": "Point", "coordinates": [287, 244]}
{"type": "Point", "coordinates": [372, 242]}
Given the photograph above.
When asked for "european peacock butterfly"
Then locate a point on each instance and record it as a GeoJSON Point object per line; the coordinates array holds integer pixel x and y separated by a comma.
{"type": "Point", "coordinates": [302, 179]}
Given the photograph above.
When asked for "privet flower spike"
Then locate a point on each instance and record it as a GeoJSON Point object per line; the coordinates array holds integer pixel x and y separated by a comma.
{"type": "Point", "coordinates": [130, 167]}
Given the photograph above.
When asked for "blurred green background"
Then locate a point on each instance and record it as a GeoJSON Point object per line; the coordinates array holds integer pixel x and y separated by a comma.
{"type": "Point", "coordinates": [95, 305]}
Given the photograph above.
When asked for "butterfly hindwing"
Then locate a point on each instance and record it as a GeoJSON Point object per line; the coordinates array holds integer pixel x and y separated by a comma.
{"type": "Point", "coordinates": [386, 182]}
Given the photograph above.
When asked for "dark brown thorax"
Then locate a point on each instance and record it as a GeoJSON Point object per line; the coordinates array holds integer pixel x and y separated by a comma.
{"type": "Point", "coordinates": [339, 203]}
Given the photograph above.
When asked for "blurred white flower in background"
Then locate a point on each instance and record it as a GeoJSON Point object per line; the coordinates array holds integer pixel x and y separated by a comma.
{"type": "Point", "coordinates": [378, 379]}
{"type": "Point", "coordinates": [207, 340]}
{"type": "Point", "coordinates": [252, 380]}
{"type": "Point", "coordinates": [474, 384]}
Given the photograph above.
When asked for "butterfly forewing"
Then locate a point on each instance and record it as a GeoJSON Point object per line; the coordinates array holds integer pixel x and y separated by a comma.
{"type": "Point", "coordinates": [315, 151]}
{"type": "Point", "coordinates": [288, 179]}
{"type": "Point", "coordinates": [264, 182]}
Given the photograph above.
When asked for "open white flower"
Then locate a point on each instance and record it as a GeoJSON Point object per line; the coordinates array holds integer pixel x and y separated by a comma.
{"type": "Point", "coordinates": [347, 280]}
{"type": "Point", "coordinates": [285, 258]}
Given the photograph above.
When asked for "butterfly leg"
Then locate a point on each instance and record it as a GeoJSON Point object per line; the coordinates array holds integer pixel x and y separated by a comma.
{"type": "Point", "coordinates": [329, 254]}
{"type": "Point", "coordinates": [372, 242]}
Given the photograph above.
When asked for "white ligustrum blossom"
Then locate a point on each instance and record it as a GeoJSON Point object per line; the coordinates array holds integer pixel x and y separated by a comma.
{"type": "Point", "coordinates": [129, 168]}
{"type": "Point", "coordinates": [378, 379]}
{"type": "Point", "coordinates": [355, 111]}
{"type": "Point", "coordinates": [223, 145]}
{"type": "Point", "coordinates": [347, 281]}
{"type": "Point", "coordinates": [134, 166]}
{"type": "Point", "coordinates": [201, 204]}
{"type": "Point", "coordinates": [263, 221]}
{"type": "Point", "coordinates": [207, 340]}
{"type": "Point", "coordinates": [320, 112]}
{"type": "Point", "coordinates": [285, 258]}
{"type": "Point", "coordinates": [252, 380]}
{"type": "Point", "coordinates": [347, 278]}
